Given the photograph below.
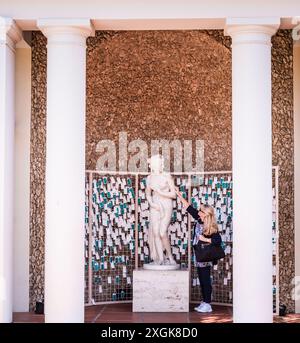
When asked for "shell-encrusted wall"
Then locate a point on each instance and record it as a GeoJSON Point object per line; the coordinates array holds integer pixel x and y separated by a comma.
{"type": "Point", "coordinates": [160, 85]}
{"type": "Point", "coordinates": [164, 85]}
{"type": "Point", "coordinates": [37, 168]}
{"type": "Point", "coordinates": [283, 156]}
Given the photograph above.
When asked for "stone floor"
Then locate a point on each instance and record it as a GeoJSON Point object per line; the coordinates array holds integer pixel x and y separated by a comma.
{"type": "Point", "coordinates": [122, 313]}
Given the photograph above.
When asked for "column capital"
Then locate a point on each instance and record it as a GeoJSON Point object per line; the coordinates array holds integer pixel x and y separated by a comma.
{"type": "Point", "coordinates": [62, 30]}
{"type": "Point", "coordinates": [296, 31]}
{"type": "Point", "coordinates": [10, 33]}
{"type": "Point", "coordinates": [252, 30]}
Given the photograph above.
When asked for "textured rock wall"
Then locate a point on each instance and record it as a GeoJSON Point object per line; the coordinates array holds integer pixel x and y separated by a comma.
{"type": "Point", "coordinates": [160, 85]}
{"type": "Point", "coordinates": [165, 84]}
{"type": "Point", "coordinates": [37, 168]}
{"type": "Point", "coordinates": [283, 156]}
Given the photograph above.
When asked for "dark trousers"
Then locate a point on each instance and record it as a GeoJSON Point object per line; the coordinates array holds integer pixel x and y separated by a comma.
{"type": "Point", "coordinates": [205, 283]}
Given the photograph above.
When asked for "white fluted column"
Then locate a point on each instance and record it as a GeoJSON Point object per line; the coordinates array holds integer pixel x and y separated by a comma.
{"type": "Point", "coordinates": [10, 34]}
{"type": "Point", "coordinates": [252, 167]}
{"type": "Point", "coordinates": [65, 168]}
{"type": "Point", "coordinates": [22, 178]}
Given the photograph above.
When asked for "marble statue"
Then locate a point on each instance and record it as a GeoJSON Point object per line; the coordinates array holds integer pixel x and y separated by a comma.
{"type": "Point", "coordinates": [160, 192]}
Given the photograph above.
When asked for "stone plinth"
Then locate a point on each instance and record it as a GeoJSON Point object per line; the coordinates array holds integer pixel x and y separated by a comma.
{"type": "Point", "coordinates": [152, 266]}
{"type": "Point", "coordinates": [160, 291]}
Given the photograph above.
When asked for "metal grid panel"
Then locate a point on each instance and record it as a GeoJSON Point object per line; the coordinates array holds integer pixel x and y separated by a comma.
{"type": "Point", "coordinates": [86, 241]}
{"type": "Point", "coordinates": [119, 213]}
{"type": "Point", "coordinates": [215, 190]}
{"type": "Point", "coordinates": [275, 236]}
{"type": "Point", "coordinates": [113, 241]}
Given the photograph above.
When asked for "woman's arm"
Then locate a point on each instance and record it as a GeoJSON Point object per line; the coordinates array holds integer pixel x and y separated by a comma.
{"type": "Point", "coordinates": [190, 209]}
{"type": "Point", "coordinates": [215, 239]}
{"type": "Point", "coordinates": [185, 203]}
{"type": "Point", "coordinates": [204, 239]}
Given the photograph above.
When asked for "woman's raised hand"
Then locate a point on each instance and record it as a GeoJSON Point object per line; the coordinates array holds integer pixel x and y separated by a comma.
{"type": "Point", "coordinates": [177, 191]}
{"type": "Point", "coordinates": [180, 196]}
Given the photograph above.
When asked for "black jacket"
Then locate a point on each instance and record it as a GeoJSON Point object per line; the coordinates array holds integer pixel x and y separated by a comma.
{"type": "Point", "coordinates": [215, 237]}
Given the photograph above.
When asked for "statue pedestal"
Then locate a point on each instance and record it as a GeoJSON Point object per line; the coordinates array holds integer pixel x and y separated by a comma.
{"type": "Point", "coordinates": [150, 266]}
{"type": "Point", "coordinates": [160, 290]}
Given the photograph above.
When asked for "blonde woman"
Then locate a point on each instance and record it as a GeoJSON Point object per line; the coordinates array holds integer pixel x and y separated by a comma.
{"type": "Point", "coordinates": [205, 230]}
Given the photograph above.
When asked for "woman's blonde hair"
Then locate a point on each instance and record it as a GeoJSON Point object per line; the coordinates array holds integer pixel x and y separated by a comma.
{"type": "Point", "coordinates": [210, 225]}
